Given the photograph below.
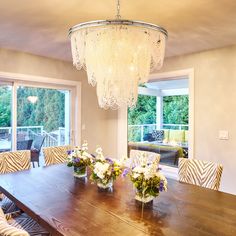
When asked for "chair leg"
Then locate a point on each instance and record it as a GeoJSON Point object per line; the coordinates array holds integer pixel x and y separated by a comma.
{"type": "Point", "coordinates": [33, 165]}
{"type": "Point", "coordinates": [38, 164]}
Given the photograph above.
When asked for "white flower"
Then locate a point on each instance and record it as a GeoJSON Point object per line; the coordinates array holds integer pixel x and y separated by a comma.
{"type": "Point", "coordinates": [100, 154]}
{"type": "Point", "coordinates": [136, 175]}
{"type": "Point", "coordinates": [99, 150]}
{"type": "Point", "coordinates": [148, 174]}
{"type": "Point", "coordinates": [84, 146]}
{"type": "Point", "coordinates": [87, 155]}
{"type": "Point", "coordinates": [139, 169]}
{"type": "Point", "coordinates": [100, 169]}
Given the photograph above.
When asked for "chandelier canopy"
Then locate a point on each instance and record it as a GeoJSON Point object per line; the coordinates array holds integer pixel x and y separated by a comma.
{"type": "Point", "coordinates": [118, 55]}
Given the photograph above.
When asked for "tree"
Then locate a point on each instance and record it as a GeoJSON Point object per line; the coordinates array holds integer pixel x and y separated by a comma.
{"type": "Point", "coordinates": [143, 113]}
{"type": "Point", "coordinates": [48, 111]}
{"type": "Point", "coordinates": [5, 106]}
{"type": "Point", "coordinates": [175, 109]}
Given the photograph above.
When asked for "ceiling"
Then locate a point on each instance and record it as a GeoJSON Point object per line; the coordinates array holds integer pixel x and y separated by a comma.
{"type": "Point", "coordinates": [169, 84]}
{"type": "Point", "coordinates": [40, 27]}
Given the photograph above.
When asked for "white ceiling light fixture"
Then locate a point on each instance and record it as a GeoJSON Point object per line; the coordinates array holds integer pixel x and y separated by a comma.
{"type": "Point", "coordinates": [118, 55]}
{"type": "Point", "coordinates": [32, 99]}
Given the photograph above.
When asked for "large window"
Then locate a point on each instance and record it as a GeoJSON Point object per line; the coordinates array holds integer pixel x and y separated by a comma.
{"type": "Point", "coordinates": [28, 112]}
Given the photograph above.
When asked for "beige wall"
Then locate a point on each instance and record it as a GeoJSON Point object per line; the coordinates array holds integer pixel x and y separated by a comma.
{"type": "Point", "coordinates": [215, 102]}
{"type": "Point", "coordinates": [215, 106]}
{"type": "Point", "coordinates": [98, 130]}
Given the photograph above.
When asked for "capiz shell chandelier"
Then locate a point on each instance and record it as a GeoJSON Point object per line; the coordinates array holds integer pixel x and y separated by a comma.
{"type": "Point", "coordinates": [118, 55]}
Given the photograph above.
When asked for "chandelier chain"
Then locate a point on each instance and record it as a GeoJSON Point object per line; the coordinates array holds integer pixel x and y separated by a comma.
{"type": "Point", "coordinates": [118, 16]}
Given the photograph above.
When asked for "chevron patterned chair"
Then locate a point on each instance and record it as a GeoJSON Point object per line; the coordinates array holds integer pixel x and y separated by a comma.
{"type": "Point", "coordinates": [56, 155]}
{"type": "Point", "coordinates": [19, 224]}
{"type": "Point", "coordinates": [201, 173]}
{"type": "Point", "coordinates": [12, 162]}
{"type": "Point", "coordinates": [136, 156]}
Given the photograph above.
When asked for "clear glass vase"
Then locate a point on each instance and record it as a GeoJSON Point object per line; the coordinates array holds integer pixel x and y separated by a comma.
{"type": "Point", "coordinates": [105, 186]}
{"type": "Point", "coordinates": [80, 172]}
{"type": "Point", "coordinates": [144, 199]}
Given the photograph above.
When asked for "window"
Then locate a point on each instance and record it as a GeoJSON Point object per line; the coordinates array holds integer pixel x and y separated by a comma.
{"type": "Point", "coordinates": [29, 109]}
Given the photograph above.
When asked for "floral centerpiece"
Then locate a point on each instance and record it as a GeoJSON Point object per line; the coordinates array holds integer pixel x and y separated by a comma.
{"type": "Point", "coordinates": [147, 180]}
{"type": "Point", "coordinates": [79, 158]}
{"type": "Point", "coordinates": [105, 170]}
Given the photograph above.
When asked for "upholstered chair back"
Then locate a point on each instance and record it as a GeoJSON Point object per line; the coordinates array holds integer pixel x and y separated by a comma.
{"type": "Point", "coordinates": [201, 173]}
{"type": "Point", "coordinates": [7, 229]}
{"type": "Point", "coordinates": [14, 161]}
{"type": "Point", "coordinates": [55, 155]}
{"type": "Point", "coordinates": [136, 157]}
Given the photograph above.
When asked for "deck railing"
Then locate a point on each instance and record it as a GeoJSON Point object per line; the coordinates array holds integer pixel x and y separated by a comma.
{"type": "Point", "coordinates": [55, 138]}
{"type": "Point", "coordinates": [138, 132]}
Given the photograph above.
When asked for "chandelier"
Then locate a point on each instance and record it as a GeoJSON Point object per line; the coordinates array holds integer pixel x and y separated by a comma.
{"type": "Point", "coordinates": [118, 55]}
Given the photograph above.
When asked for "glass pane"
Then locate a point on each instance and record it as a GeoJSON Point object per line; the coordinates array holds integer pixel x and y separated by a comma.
{"type": "Point", "coordinates": [42, 116]}
{"type": "Point", "coordinates": [5, 117]}
{"type": "Point", "coordinates": [159, 122]}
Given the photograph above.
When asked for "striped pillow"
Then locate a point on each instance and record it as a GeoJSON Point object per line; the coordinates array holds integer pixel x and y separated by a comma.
{"type": "Point", "coordinates": [8, 230]}
{"type": "Point", "coordinates": [158, 135]}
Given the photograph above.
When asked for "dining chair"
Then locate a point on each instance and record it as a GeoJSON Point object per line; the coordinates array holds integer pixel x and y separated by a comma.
{"type": "Point", "coordinates": [19, 224]}
{"type": "Point", "coordinates": [36, 149]}
{"type": "Point", "coordinates": [202, 173]}
{"type": "Point", "coordinates": [12, 162]}
{"type": "Point", "coordinates": [56, 155]}
{"type": "Point", "coordinates": [137, 157]}
{"type": "Point", "coordinates": [24, 144]}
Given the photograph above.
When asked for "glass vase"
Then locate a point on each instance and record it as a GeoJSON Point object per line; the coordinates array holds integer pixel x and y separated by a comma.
{"type": "Point", "coordinates": [105, 186]}
{"type": "Point", "coordinates": [80, 172]}
{"type": "Point", "coordinates": [144, 199]}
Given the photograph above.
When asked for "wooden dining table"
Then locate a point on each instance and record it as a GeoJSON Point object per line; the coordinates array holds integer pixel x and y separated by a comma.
{"type": "Point", "coordinates": [66, 205]}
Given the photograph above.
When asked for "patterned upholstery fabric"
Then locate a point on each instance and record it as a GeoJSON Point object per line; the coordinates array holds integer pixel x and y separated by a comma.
{"type": "Point", "coordinates": [158, 135]}
{"type": "Point", "coordinates": [8, 206]}
{"type": "Point", "coordinates": [55, 155]}
{"type": "Point", "coordinates": [201, 173]}
{"type": "Point", "coordinates": [136, 155]}
{"type": "Point", "coordinates": [8, 230]}
{"type": "Point", "coordinates": [24, 222]}
{"type": "Point", "coordinates": [14, 161]}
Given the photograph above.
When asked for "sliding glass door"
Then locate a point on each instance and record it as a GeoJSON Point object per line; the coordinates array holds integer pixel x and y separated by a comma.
{"type": "Point", "coordinates": [30, 113]}
{"type": "Point", "coordinates": [43, 112]}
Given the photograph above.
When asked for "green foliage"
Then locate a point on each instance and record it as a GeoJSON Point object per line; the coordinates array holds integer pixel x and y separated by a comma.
{"type": "Point", "coordinates": [147, 187]}
{"type": "Point", "coordinates": [48, 111]}
{"type": "Point", "coordinates": [143, 113]}
{"type": "Point", "coordinates": [175, 109]}
{"type": "Point", "coordinates": [5, 106]}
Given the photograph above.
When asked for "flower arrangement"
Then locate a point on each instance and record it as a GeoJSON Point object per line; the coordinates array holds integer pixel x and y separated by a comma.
{"type": "Point", "coordinates": [106, 170]}
{"type": "Point", "coordinates": [79, 158]}
{"type": "Point", "coordinates": [147, 180]}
